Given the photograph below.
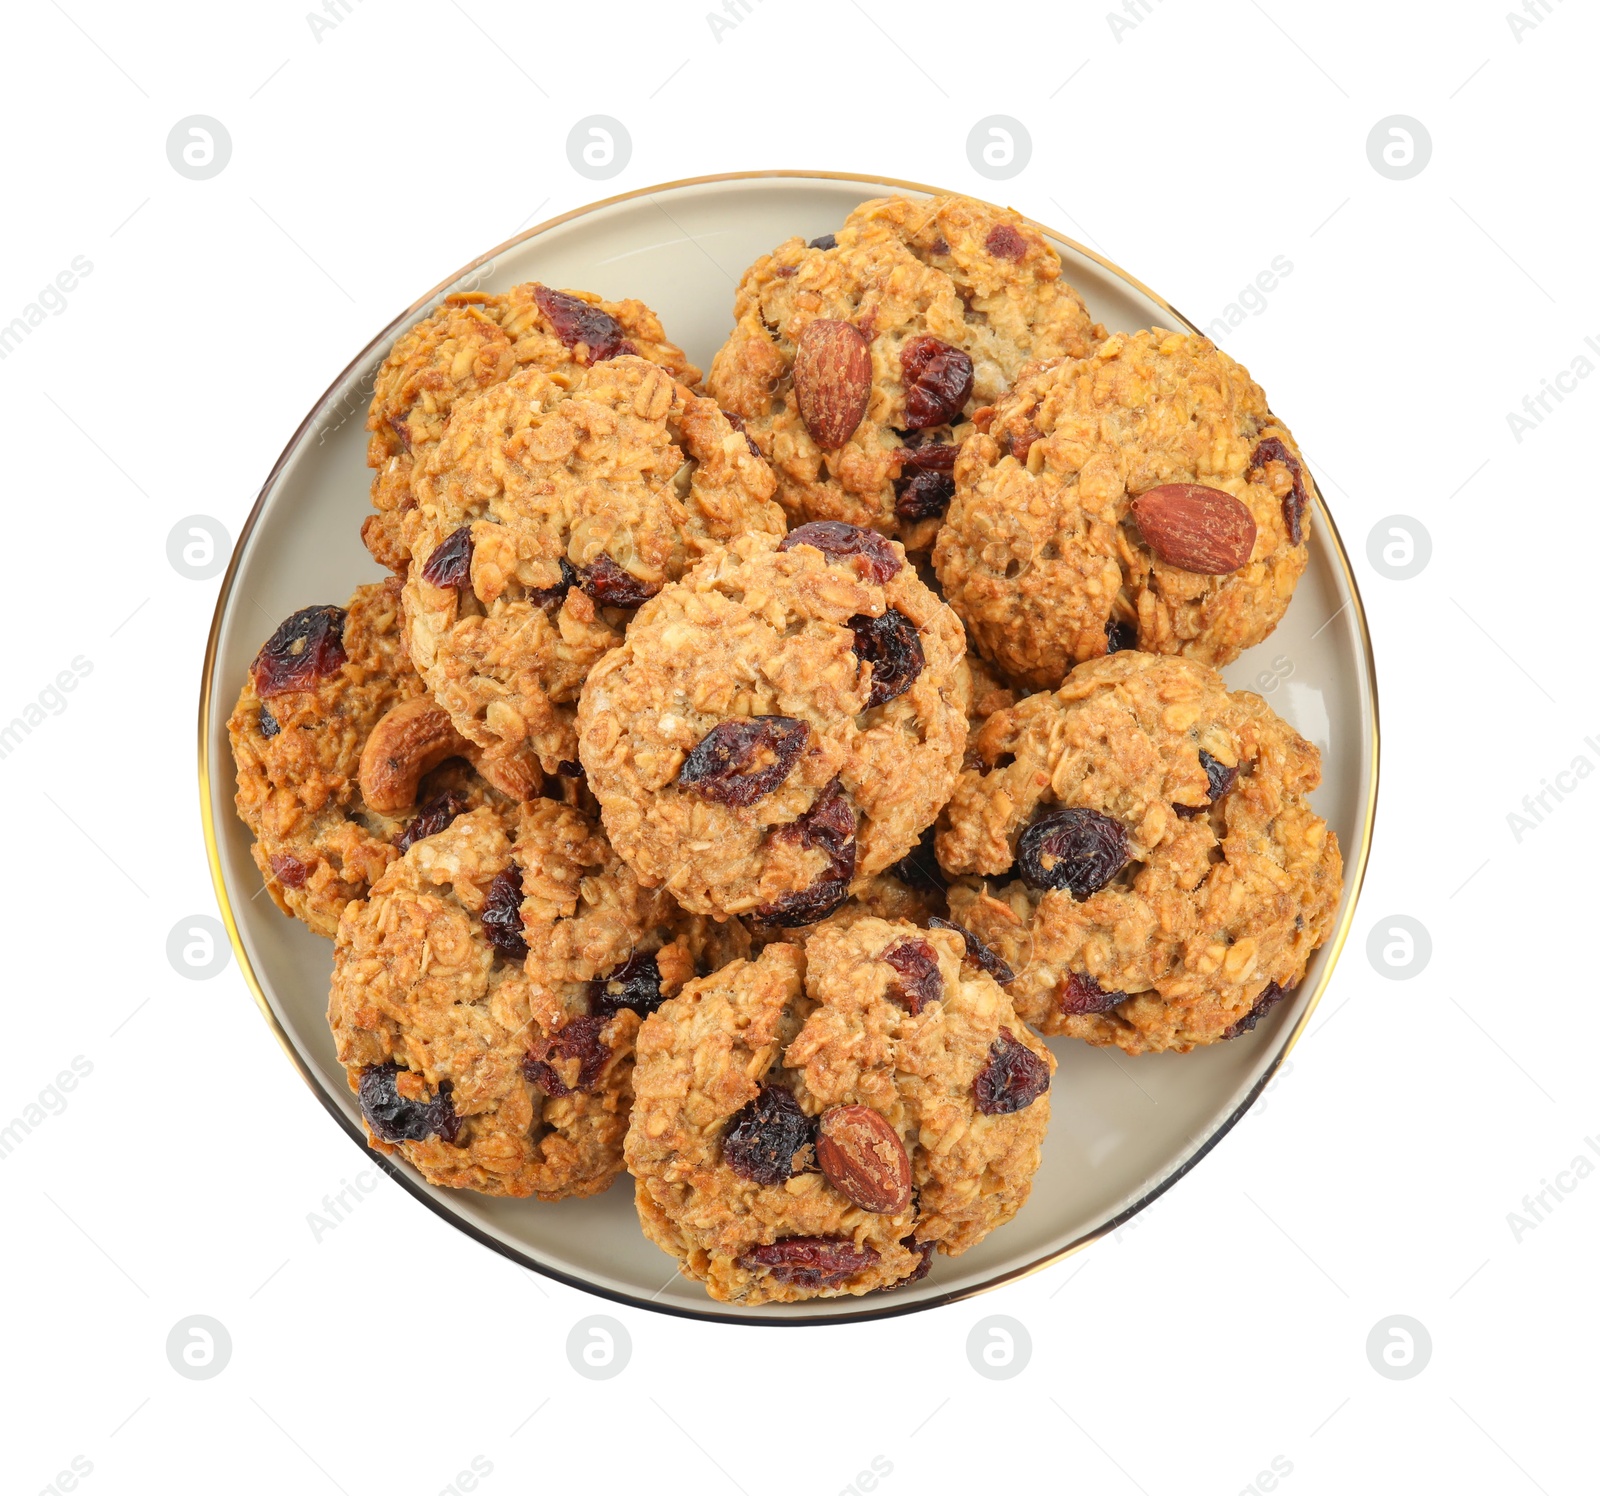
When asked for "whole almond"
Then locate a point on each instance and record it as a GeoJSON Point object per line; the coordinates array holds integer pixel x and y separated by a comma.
{"type": "Point", "coordinates": [832, 381]}
{"type": "Point", "coordinates": [1196, 528]}
{"type": "Point", "coordinates": [862, 1157]}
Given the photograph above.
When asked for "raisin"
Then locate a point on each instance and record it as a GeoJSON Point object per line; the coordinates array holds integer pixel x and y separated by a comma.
{"type": "Point", "coordinates": [502, 914]}
{"type": "Point", "coordinates": [830, 825]}
{"type": "Point", "coordinates": [1013, 1077]}
{"type": "Point", "coordinates": [811, 1261]}
{"type": "Point", "coordinates": [289, 871]}
{"type": "Point", "coordinates": [741, 760]}
{"type": "Point", "coordinates": [451, 562]}
{"type": "Point", "coordinates": [1271, 995]}
{"type": "Point", "coordinates": [977, 953]}
{"type": "Point", "coordinates": [926, 483]}
{"type": "Point", "coordinates": [917, 981]}
{"type": "Point", "coordinates": [544, 597]}
{"type": "Point", "coordinates": [266, 723]}
{"type": "Point", "coordinates": [1020, 443]}
{"type": "Point", "coordinates": [394, 1118]}
{"type": "Point", "coordinates": [1297, 499]}
{"type": "Point", "coordinates": [764, 1136]}
{"type": "Point", "coordinates": [1079, 994]}
{"type": "Point", "coordinates": [578, 1039]}
{"type": "Point", "coordinates": [307, 647]}
{"type": "Point", "coordinates": [833, 537]}
{"type": "Point", "coordinates": [892, 646]}
{"type": "Point", "coordinates": [940, 246]}
{"type": "Point", "coordinates": [635, 985]}
{"type": "Point", "coordinates": [924, 1250]}
{"type": "Point", "coordinates": [438, 813]}
{"type": "Point", "coordinates": [1079, 850]}
{"type": "Point", "coordinates": [1219, 780]}
{"type": "Point", "coordinates": [1120, 635]}
{"type": "Point", "coordinates": [576, 321]}
{"type": "Point", "coordinates": [737, 422]}
{"type": "Point", "coordinates": [1005, 243]}
{"type": "Point", "coordinates": [822, 241]}
{"type": "Point", "coordinates": [919, 868]}
{"type": "Point", "coordinates": [938, 380]}
{"type": "Point", "coordinates": [614, 587]}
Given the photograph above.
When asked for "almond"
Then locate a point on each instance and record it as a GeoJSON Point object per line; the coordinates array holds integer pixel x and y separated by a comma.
{"type": "Point", "coordinates": [832, 380]}
{"type": "Point", "coordinates": [862, 1157]}
{"type": "Point", "coordinates": [1196, 528]}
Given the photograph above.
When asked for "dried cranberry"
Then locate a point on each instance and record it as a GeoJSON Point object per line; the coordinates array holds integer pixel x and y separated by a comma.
{"type": "Point", "coordinates": [635, 985]}
{"type": "Point", "coordinates": [940, 246]}
{"type": "Point", "coordinates": [1080, 994]}
{"type": "Point", "coordinates": [919, 868]}
{"type": "Point", "coordinates": [741, 760]}
{"type": "Point", "coordinates": [917, 982]}
{"type": "Point", "coordinates": [764, 1136]}
{"type": "Point", "coordinates": [833, 537]}
{"type": "Point", "coordinates": [977, 953]}
{"type": "Point", "coordinates": [394, 1118]}
{"type": "Point", "coordinates": [811, 1261]}
{"type": "Point", "coordinates": [1297, 499]}
{"type": "Point", "coordinates": [266, 723]}
{"type": "Point", "coordinates": [451, 562]}
{"type": "Point", "coordinates": [1219, 780]}
{"type": "Point", "coordinates": [1020, 443]}
{"type": "Point", "coordinates": [614, 587]}
{"type": "Point", "coordinates": [544, 597]}
{"type": "Point", "coordinates": [502, 914]}
{"type": "Point", "coordinates": [822, 241]}
{"type": "Point", "coordinates": [308, 646]}
{"type": "Point", "coordinates": [577, 1039]}
{"type": "Point", "coordinates": [1079, 850]}
{"type": "Point", "coordinates": [1005, 243]}
{"type": "Point", "coordinates": [926, 483]}
{"type": "Point", "coordinates": [924, 1250]}
{"type": "Point", "coordinates": [937, 379]}
{"type": "Point", "coordinates": [289, 871]}
{"type": "Point", "coordinates": [893, 647]}
{"type": "Point", "coordinates": [438, 813]}
{"type": "Point", "coordinates": [576, 321]}
{"type": "Point", "coordinates": [1013, 1077]}
{"type": "Point", "coordinates": [830, 825]}
{"type": "Point", "coordinates": [1120, 635]}
{"type": "Point", "coordinates": [1271, 995]}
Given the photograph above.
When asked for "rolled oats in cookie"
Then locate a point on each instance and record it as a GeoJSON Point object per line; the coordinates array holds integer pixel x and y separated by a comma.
{"type": "Point", "coordinates": [857, 360]}
{"type": "Point", "coordinates": [1143, 496]}
{"type": "Point", "coordinates": [472, 341]}
{"type": "Point", "coordinates": [818, 1121]}
{"type": "Point", "coordinates": [1150, 867]}
{"type": "Point", "coordinates": [548, 510]}
{"type": "Point", "coordinates": [779, 725]}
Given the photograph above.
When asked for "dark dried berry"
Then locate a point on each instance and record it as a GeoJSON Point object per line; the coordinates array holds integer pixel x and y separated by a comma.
{"type": "Point", "coordinates": [893, 647]}
{"type": "Point", "coordinates": [450, 565]}
{"type": "Point", "coordinates": [571, 1059]}
{"type": "Point", "coordinates": [1219, 779]}
{"type": "Point", "coordinates": [1296, 501]}
{"type": "Point", "coordinates": [544, 597]}
{"type": "Point", "coordinates": [1120, 635]}
{"type": "Point", "coordinates": [940, 246]}
{"type": "Point", "coordinates": [502, 914]}
{"type": "Point", "coordinates": [438, 813]}
{"type": "Point", "coordinates": [977, 953]}
{"type": "Point", "coordinates": [765, 1135]}
{"type": "Point", "coordinates": [1005, 243]}
{"type": "Point", "coordinates": [1079, 850]}
{"type": "Point", "coordinates": [635, 985]}
{"type": "Point", "coordinates": [1271, 995]}
{"type": "Point", "coordinates": [822, 241]}
{"type": "Point", "coordinates": [612, 586]}
{"type": "Point", "coordinates": [394, 1118]}
{"type": "Point", "coordinates": [307, 647]}
{"type": "Point", "coordinates": [1080, 994]}
{"type": "Point", "coordinates": [289, 871]}
{"type": "Point", "coordinates": [924, 1250]}
{"type": "Point", "coordinates": [833, 537]}
{"type": "Point", "coordinates": [919, 868]}
{"type": "Point", "coordinates": [938, 380]}
{"type": "Point", "coordinates": [811, 1261]}
{"type": "Point", "coordinates": [830, 825]}
{"type": "Point", "coordinates": [930, 457]}
{"type": "Point", "coordinates": [569, 770]}
{"type": "Point", "coordinates": [576, 321]}
{"type": "Point", "coordinates": [917, 981]}
{"type": "Point", "coordinates": [1020, 443]}
{"type": "Point", "coordinates": [1013, 1077]}
{"type": "Point", "coordinates": [741, 760]}
{"type": "Point", "coordinates": [926, 483]}
{"type": "Point", "coordinates": [266, 723]}
{"type": "Point", "coordinates": [737, 422]}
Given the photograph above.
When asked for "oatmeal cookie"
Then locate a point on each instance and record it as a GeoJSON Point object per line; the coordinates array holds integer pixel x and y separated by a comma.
{"type": "Point", "coordinates": [1043, 554]}
{"type": "Point", "coordinates": [1158, 878]}
{"type": "Point", "coordinates": [546, 513]}
{"type": "Point", "coordinates": [857, 360]}
{"type": "Point", "coordinates": [778, 726]}
{"type": "Point", "coordinates": [474, 340]}
{"type": "Point", "coordinates": [818, 1121]}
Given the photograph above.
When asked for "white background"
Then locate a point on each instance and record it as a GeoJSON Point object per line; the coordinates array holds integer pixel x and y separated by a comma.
{"type": "Point", "coordinates": [1224, 1329]}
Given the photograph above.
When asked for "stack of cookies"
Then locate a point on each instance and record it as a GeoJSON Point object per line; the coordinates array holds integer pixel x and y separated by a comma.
{"type": "Point", "coordinates": [737, 776]}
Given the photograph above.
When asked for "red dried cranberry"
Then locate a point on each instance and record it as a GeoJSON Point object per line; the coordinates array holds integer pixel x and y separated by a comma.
{"type": "Point", "coordinates": [451, 562]}
{"type": "Point", "coordinates": [917, 982]}
{"type": "Point", "coordinates": [438, 813]}
{"type": "Point", "coordinates": [919, 868]}
{"type": "Point", "coordinates": [614, 587]}
{"type": "Point", "coordinates": [1013, 1077]}
{"type": "Point", "coordinates": [635, 985]}
{"type": "Point", "coordinates": [743, 759]}
{"type": "Point", "coordinates": [502, 914]}
{"type": "Point", "coordinates": [394, 1118]}
{"type": "Point", "coordinates": [1005, 243]}
{"type": "Point", "coordinates": [977, 953]}
{"type": "Point", "coordinates": [266, 723]}
{"type": "Point", "coordinates": [811, 1261]}
{"type": "Point", "coordinates": [737, 422]}
{"type": "Point", "coordinates": [830, 825]}
{"type": "Point", "coordinates": [1079, 850]}
{"type": "Point", "coordinates": [577, 1039]}
{"type": "Point", "coordinates": [1219, 780]}
{"type": "Point", "coordinates": [307, 647]}
{"type": "Point", "coordinates": [544, 597]}
{"type": "Point", "coordinates": [893, 647]}
{"type": "Point", "coordinates": [822, 241]}
{"type": "Point", "coordinates": [1297, 499]}
{"type": "Point", "coordinates": [1271, 995]}
{"type": "Point", "coordinates": [926, 483]}
{"type": "Point", "coordinates": [833, 537]}
{"type": "Point", "coordinates": [1079, 994]}
{"type": "Point", "coordinates": [1120, 635]}
{"type": "Point", "coordinates": [937, 379]}
{"type": "Point", "coordinates": [289, 871]}
{"type": "Point", "coordinates": [764, 1136]}
{"type": "Point", "coordinates": [576, 321]}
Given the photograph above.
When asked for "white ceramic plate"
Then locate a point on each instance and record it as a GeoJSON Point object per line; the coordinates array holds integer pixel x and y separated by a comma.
{"type": "Point", "coordinates": [1122, 1130]}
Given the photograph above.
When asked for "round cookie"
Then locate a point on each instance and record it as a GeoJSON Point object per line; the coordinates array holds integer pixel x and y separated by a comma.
{"type": "Point", "coordinates": [816, 1122]}
{"type": "Point", "coordinates": [1047, 549]}
{"type": "Point", "coordinates": [897, 328]}
{"type": "Point", "coordinates": [779, 725]}
{"type": "Point", "coordinates": [474, 340]}
{"type": "Point", "coordinates": [1158, 876]}
{"type": "Point", "coordinates": [550, 508]}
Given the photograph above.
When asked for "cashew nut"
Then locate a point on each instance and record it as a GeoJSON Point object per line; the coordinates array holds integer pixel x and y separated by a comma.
{"type": "Point", "coordinates": [409, 740]}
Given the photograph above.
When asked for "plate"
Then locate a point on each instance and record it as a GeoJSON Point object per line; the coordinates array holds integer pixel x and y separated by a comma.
{"type": "Point", "coordinates": [1122, 1130]}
